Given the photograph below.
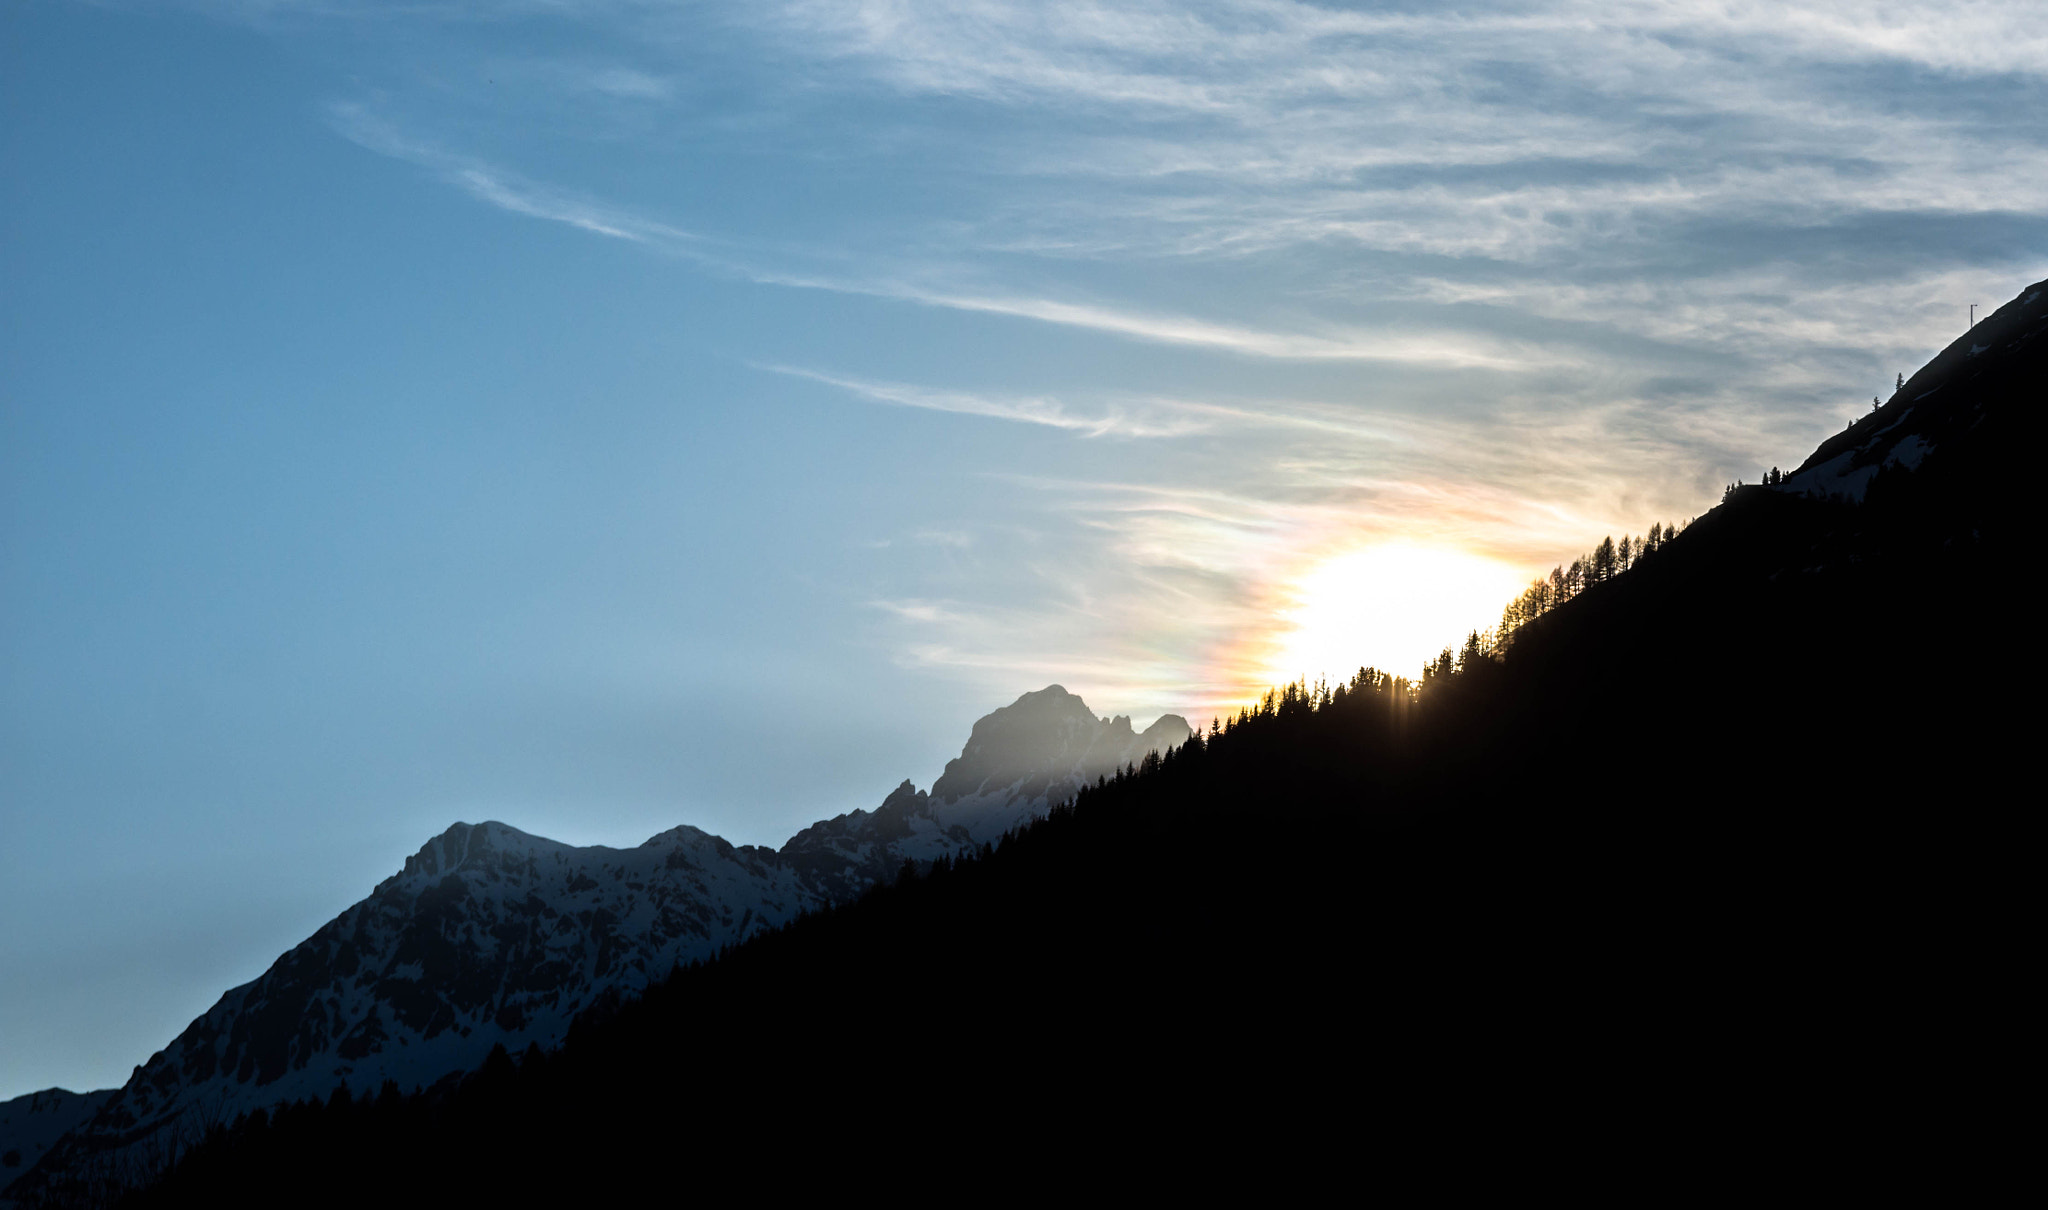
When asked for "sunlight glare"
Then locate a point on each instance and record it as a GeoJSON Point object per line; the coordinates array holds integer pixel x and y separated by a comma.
{"type": "Point", "coordinates": [1391, 607]}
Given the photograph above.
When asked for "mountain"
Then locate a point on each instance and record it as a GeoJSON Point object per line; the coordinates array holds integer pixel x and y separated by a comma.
{"type": "Point", "coordinates": [1034, 753]}
{"type": "Point", "coordinates": [1719, 869]}
{"type": "Point", "coordinates": [1720, 856]}
{"type": "Point", "coordinates": [29, 1124]}
{"type": "Point", "coordinates": [1946, 404]}
{"type": "Point", "coordinates": [490, 936]}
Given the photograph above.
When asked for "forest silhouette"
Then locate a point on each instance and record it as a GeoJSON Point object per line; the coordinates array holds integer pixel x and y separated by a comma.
{"type": "Point", "coordinates": [1719, 817]}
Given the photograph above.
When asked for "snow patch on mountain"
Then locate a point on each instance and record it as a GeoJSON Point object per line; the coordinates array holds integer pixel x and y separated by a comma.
{"type": "Point", "coordinates": [1910, 452]}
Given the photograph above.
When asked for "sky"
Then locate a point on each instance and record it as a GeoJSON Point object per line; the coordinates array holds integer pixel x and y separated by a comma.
{"type": "Point", "coordinates": [599, 415]}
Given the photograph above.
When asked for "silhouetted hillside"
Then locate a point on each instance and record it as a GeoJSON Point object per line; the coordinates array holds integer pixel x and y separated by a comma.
{"type": "Point", "coordinates": [1712, 857]}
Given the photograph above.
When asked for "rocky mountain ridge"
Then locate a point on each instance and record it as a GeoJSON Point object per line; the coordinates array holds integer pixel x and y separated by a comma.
{"type": "Point", "coordinates": [490, 936]}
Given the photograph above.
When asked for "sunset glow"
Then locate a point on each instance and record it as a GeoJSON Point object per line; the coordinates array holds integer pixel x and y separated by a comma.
{"type": "Point", "coordinates": [598, 417]}
{"type": "Point", "coordinates": [1390, 607]}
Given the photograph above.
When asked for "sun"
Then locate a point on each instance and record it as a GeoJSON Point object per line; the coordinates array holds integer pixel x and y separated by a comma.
{"type": "Point", "coordinates": [1391, 607]}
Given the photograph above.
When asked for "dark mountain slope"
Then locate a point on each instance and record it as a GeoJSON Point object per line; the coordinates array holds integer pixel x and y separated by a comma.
{"type": "Point", "coordinates": [1859, 629]}
{"type": "Point", "coordinates": [1716, 866]}
{"type": "Point", "coordinates": [1990, 376]}
{"type": "Point", "coordinates": [29, 1124]}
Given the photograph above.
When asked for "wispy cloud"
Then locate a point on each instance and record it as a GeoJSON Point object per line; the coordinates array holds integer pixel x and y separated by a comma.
{"type": "Point", "coordinates": [1450, 349]}
{"type": "Point", "coordinates": [1504, 276]}
{"type": "Point", "coordinates": [1110, 414]}
{"type": "Point", "coordinates": [507, 190]}
{"type": "Point", "coordinates": [1043, 410]}
{"type": "Point", "coordinates": [1511, 134]}
{"type": "Point", "coordinates": [512, 192]}
{"type": "Point", "coordinates": [541, 201]}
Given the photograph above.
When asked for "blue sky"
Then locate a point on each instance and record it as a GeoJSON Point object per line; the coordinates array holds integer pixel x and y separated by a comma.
{"type": "Point", "coordinates": [605, 415]}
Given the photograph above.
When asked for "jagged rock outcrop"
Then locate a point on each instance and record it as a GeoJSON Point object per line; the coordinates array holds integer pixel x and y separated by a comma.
{"type": "Point", "coordinates": [1020, 761]}
{"type": "Point", "coordinates": [1045, 745]}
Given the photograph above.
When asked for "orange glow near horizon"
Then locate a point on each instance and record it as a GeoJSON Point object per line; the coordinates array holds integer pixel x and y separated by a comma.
{"type": "Point", "coordinates": [1390, 606]}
